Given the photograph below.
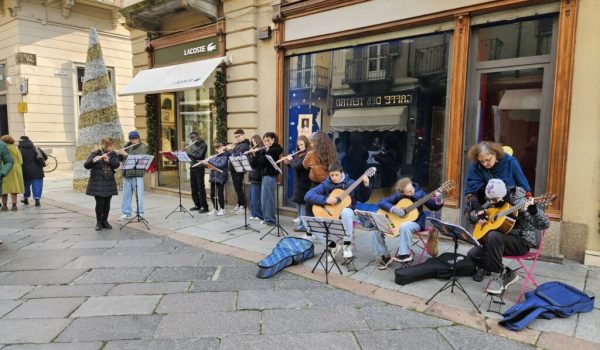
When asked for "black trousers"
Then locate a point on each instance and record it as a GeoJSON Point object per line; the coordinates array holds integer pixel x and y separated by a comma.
{"type": "Point", "coordinates": [238, 186]}
{"type": "Point", "coordinates": [495, 245]}
{"type": "Point", "coordinates": [198, 189]}
{"type": "Point", "coordinates": [102, 208]}
{"type": "Point", "coordinates": [219, 188]}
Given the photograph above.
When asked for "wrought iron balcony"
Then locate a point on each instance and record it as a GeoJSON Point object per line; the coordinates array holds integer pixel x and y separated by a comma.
{"type": "Point", "coordinates": [490, 49]}
{"type": "Point", "coordinates": [430, 60]}
{"type": "Point", "coordinates": [309, 78]}
{"type": "Point", "coordinates": [361, 70]}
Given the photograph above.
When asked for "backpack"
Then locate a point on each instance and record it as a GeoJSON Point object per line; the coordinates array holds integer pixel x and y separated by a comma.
{"type": "Point", "coordinates": [39, 157]}
{"type": "Point", "coordinates": [547, 301]}
{"type": "Point", "coordinates": [288, 251]}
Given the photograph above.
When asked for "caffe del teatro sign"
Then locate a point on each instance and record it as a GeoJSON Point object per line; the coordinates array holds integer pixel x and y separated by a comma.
{"type": "Point", "coordinates": [383, 100]}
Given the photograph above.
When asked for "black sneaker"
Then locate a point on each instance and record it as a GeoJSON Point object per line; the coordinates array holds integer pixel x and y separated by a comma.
{"type": "Point", "coordinates": [509, 277]}
{"type": "Point", "coordinates": [194, 208]}
{"type": "Point", "coordinates": [383, 261]}
{"type": "Point", "coordinates": [106, 225]}
{"type": "Point", "coordinates": [37, 203]}
{"type": "Point", "coordinates": [25, 201]}
{"type": "Point", "coordinates": [203, 210]}
{"type": "Point", "coordinates": [98, 226]}
{"type": "Point", "coordinates": [478, 275]}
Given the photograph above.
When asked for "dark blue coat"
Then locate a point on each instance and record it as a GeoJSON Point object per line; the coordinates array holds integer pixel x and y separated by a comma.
{"type": "Point", "coordinates": [102, 175]}
{"type": "Point", "coordinates": [506, 169]}
{"type": "Point", "coordinates": [219, 162]}
{"type": "Point", "coordinates": [318, 195]}
{"type": "Point", "coordinates": [388, 202]}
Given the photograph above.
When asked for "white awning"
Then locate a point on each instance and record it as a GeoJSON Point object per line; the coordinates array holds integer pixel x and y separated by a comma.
{"type": "Point", "coordinates": [521, 99]}
{"type": "Point", "coordinates": [370, 119]}
{"type": "Point", "coordinates": [178, 77]}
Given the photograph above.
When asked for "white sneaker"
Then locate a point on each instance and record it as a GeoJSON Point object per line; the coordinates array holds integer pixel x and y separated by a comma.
{"type": "Point", "coordinates": [124, 217]}
{"type": "Point", "coordinates": [308, 237]}
{"type": "Point", "coordinates": [253, 218]}
{"type": "Point", "coordinates": [334, 251]}
{"type": "Point", "coordinates": [221, 212]}
{"type": "Point", "coordinates": [212, 212]}
{"type": "Point", "coordinates": [347, 251]}
{"type": "Point", "coordinates": [236, 208]}
{"type": "Point", "coordinates": [296, 220]}
{"type": "Point", "coordinates": [240, 210]}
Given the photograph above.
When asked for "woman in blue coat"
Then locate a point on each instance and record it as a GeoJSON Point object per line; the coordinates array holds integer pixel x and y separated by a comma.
{"type": "Point", "coordinates": [218, 179]}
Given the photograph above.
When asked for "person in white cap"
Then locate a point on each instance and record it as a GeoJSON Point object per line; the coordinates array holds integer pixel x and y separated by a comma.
{"type": "Point", "coordinates": [496, 244]}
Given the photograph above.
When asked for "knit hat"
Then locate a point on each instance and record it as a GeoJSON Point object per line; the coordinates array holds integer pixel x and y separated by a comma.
{"type": "Point", "coordinates": [134, 134]}
{"type": "Point", "coordinates": [495, 189]}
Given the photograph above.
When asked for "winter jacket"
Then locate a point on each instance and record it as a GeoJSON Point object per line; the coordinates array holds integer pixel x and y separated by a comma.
{"type": "Point", "coordinates": [318, 172]}
{"type": "Point", "coordinates": [301, 179]}
{"type": "Point", "coordinates": [254, 176]}
{"type": "Point", "coordinates": [140, 148]}
{"type": "Point", "coordinates": [31, 168]}
{"type": "Point", "coordinates": [275, 152]}
{"type": "Point", "coordinates": [238, 150]}
{"type": "Point", "coordinates": [102, 175]}
{"type": "Point", "coordinates": [388, 202]}
{"type": "Point", "coordinates": [220, 162]}
{"type": "Point", "coordinates": [13, 181]}
{"type": "Point", "coordinates": [318, 195]}
{"type": "Point", "coordinates": [506, 169]}
{"type": "Point", "coordinates": [197, 152]}
{"type": "Point", "coordinates": [6, 162]}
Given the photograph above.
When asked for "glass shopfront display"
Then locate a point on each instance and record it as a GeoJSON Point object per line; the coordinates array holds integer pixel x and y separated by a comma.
{"type": "Point", "coordinates": [383, 104]}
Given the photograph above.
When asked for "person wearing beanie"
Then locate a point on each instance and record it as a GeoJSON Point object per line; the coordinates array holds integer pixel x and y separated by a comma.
{"type": "Point", "coordinates": [133, 179]}
{"type": "Point", "coordinates": [495, 244]}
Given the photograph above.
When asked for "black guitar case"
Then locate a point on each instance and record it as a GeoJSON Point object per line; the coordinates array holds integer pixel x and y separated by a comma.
{"type": "Point", "coordinates": [435, 268]}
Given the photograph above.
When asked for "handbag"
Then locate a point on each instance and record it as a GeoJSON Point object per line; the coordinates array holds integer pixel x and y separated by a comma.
{"type": "Point", "coordinates": [39, 157]}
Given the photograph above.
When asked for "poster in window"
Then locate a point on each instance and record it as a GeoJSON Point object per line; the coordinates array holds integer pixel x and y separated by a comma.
{"type": "Point", "coordinates": [305, 124]}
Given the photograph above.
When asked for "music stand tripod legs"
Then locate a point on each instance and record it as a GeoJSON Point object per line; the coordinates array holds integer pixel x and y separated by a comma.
{"type": "Point", "coordinates": [180, 208]}
{"type": "Point", "coordinates": [280, 230]}
{"type": "Point", "coordinates": [137, 216]}
{"type": "Point", "coordinates": [454, 282]}
{"type": "Point", "coordinates": [246, 225]}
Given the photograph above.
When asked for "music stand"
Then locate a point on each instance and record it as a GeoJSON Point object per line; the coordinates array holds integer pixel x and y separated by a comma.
{"type": "Point", "coordinates": [325, 226]}
{"type": "Point", "coordinates": [277, 225]}
{"type": "Point", "coordinates": [137, 162]}
{"type": "Point", "coordinates": [213, 185]}
{"type": "Point", "coordinates": [455, 232]}
{"type": "Point", "coordinates": [242, 165]}
{"type": "Point", "coordinates": [177, 157]}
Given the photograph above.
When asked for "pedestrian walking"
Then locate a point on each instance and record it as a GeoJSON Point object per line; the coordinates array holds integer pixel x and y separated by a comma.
{"type": "Point", "coordinates": [34, 160]}
{"type": "Point", "coordinates": [13, 181]}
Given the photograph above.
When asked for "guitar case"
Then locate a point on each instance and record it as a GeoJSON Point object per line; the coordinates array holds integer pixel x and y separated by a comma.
{"type": "Point", "coordinates": [288, 251]}
{"type": "Point", "coordinates": [435, 268]}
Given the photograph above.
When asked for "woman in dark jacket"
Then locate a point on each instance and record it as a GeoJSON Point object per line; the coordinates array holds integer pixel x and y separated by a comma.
{"type": "Point", "coordinates": [102, 185]}
{"type": "Point", "coordinates": [268, 190]}
{"type": "Point", "coordinates": [301, 177]}
{"type": "Point", "coordinates": [33, 171]}
{"type": "Point", "coordinates": [255, 177]}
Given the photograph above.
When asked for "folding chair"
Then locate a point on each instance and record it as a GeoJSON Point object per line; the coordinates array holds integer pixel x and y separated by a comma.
{"type": "Point", "coordinates": [532, 255]}
{"type": "Point", "coordinates": [422, 242]}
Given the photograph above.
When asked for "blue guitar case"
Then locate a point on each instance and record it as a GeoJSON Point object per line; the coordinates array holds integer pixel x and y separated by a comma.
{"type": "Point", "coordinates": [288, 251]}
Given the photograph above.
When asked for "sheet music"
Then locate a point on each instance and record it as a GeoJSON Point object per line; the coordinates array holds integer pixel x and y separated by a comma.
{"type": "Point", "coordinates": [452, 231]}
{"type": "Point", "coordinates": [379, 221]}
{"type": "Point", "coordinates": [246, 163]}
{"type": "Point", "coordinates": [237, 164]}
{"type": "Point", "coordinates": [137, 161]}
{"type": "Point", "coordinates": [273, 164]}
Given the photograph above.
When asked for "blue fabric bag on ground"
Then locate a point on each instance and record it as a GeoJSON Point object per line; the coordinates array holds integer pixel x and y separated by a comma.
{"type": "Point", "coordinates": [547, 301]}
{"type": "Point", "coordinates": [288, 251]}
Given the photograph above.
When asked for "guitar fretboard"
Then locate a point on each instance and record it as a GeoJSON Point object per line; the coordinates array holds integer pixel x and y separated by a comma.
{"type": "Point", "coordinates": [422, 201]}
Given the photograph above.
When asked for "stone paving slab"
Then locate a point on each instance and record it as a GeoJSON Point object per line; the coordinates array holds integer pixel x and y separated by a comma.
{"type": "Point", "coordinates": [46, 308]}
{"type": "Point", "coordinates": [185, 273]}
{"type": "Point", "coordinates": [271, 299]}
{"type": "Point", "coordinates": [588, 327]}
{"type": "Point", "coordinates": [331, 297]}
{"type": "Point", "coordinates": [232, 285]}
{"type": "Point", "coordinates": [45, 263]}
{"type": "Point", "coordinates": [409, 339]}
{"type": "Point", "coordinates": [136, 260]}
{"type": "Point", "coordinates": [85, 290]}
{"type": "Point", "coordinates": [31, 330]}
{"type": "Point", "coordinates": [393, 317]}
{"type": "Point", "coordinates": [318, 319]}
{"type": "Point", "coordinates": [150, 288]}
{"type": "Point", "coordinates": [13, 292]}
{"type": "Point", "coordinates": [40, 277]}
{"type": "Point", "coordinates": [300, 341]}
{"type": "Point", "coordinates": [188, 325]}
{"type": "Point", "coordinates": [56, 346]}
{"type": "Point", "coordinates": [461, 337]}
{"type": "Point", "coordinates": [207, 343]}
{"type": "Point", "coordinates": [116, 275]}
{"type": "Point", "coordinates": [118, 305]}
{"type": "Point", "coordinates": [110, 328]}
{"type": "Point", "coordinates": [49, 245]}
{"type": "Point", "coordinates": [7, 305]}
{"type": "Point", "coordinates": [197, 302]}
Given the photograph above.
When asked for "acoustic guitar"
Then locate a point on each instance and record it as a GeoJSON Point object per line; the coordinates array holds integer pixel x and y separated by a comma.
{"type": "Point", "coordinates": [503, 219]}
{"type": "Point", "coordinates": [411, 209]}
{"type": "Point", "coordinates": [333, 211]}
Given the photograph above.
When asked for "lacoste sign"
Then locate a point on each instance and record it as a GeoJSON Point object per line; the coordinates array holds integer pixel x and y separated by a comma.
{"type": "Point", "coordinates": [200, 49]}
{"type": "Point", "coordinates": [190, 51]}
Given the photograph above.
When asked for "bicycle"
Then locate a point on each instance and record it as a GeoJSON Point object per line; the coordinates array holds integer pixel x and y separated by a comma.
{"type": "Point", "coordinates": [51, 162]}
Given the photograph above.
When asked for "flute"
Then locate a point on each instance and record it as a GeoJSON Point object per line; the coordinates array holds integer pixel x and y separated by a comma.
{"type": "Point", "coordinates": [204, 161]}
{"type": "Point", "coordinates": [254, 149]}
{"type": "Point", "coordinates": [122, 149]}
{"type": "Point", "coordinates": [290, 155]}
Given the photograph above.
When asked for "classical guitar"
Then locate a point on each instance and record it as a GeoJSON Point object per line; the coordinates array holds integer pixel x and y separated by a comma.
{"type": "Point", "coordinates": [503, 219]}
{"type": "Point", "coordinates": [333, 211]}
{"type": "Point", "coordinates": [411, 208]}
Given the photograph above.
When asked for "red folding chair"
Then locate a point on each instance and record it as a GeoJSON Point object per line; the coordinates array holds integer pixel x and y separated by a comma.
{"type": "Point", "coordinates": [532, 255]}
{"type": "Point", "coordinates": [422, 242]}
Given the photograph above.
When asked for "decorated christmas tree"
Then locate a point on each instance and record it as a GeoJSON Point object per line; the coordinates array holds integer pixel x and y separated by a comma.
{"type": "Point", "coordinates": [98, 112]}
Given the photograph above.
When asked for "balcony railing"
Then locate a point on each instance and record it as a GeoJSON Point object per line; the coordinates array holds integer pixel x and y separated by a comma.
{"type": "Point", "coordinates": [490, 49]}
{"type": "Point", "coordinates": [368, 69]}
{"type": "Point", "coordinates": [308, 78]}
{"type": "Point", "coordinates": [430, 60]}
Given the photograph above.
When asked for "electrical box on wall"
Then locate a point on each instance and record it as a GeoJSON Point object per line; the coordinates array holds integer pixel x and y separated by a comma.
{"type": "Point", "coordinates": [23, 87]}
{"type": "Point", "coordinates": [264, 33]}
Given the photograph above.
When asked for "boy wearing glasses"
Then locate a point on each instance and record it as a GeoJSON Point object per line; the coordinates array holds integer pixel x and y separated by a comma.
{"type": "Point", "coordinates": [242, 144]}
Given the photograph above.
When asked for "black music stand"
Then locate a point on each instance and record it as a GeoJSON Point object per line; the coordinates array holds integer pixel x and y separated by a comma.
{"type": "Point", "coordinates": [326, 227]}
{"type": "Point", "coordinates": [177, 157]}
{"type": "Point", "coordinates": [213, 188]}
{"type": "Point", "coordinates": [242, 165]}
{"type": "Point", "coordinates": [455, 232]}
{"type": "Point", "coordinates": [280, 230]}
{"type": "Point", "coordinates": [137, 162]}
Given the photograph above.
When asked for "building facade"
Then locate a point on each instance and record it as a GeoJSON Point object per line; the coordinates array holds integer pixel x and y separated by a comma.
{"type": "Point", "coordinates": [43, 46]}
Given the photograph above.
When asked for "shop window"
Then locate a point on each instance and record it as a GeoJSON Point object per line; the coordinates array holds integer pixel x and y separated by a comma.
{"type": "Point", "coordinates": [383, 105]}
{"type": "Point", "coordinates": [2, 76]}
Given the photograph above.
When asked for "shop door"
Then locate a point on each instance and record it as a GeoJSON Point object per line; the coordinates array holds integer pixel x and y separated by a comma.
{"type": "Point", "coordinates": [3, 120]}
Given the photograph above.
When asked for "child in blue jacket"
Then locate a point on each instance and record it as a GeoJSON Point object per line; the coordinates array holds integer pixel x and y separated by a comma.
{"type": "Point", "coordinates": [218, 179]}
{"type": "Point", "coordinates": [405, 188]}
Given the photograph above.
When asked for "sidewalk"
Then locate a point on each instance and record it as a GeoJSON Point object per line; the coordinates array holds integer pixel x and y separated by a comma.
{"type": "Point", "coordinates": [126, 253]}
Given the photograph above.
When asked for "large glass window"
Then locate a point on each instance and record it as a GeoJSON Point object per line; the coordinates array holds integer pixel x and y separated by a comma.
{"type": "Point", "coordinates": [383, 104]}
{"type": "Point", "coordinates": [2, 76]}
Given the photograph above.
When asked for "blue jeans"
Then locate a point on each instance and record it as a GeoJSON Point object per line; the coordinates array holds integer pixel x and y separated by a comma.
{"type": "Point", "coordinates": [404, 239]}
{"type": "Point", "coordinates": [255, 206]}
{"type": "Point", "coordinates": [129, 186]}
{"type": "Point", "coordinates": [301, 212]}
{"type": "Point", "coordinates": [36, 186]}
{"type": "Point", "coordinates": [347, 217]}
{"type": "Point", "coordinates": [268, 191]}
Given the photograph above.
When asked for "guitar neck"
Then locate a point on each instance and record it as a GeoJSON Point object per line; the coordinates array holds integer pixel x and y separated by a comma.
{"type": "Point", "coordinates": [516, 207]}
{"type": "Point", "coordinates": [352, 187]}
{"type": "Point", "coordinates": [421, 201]}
